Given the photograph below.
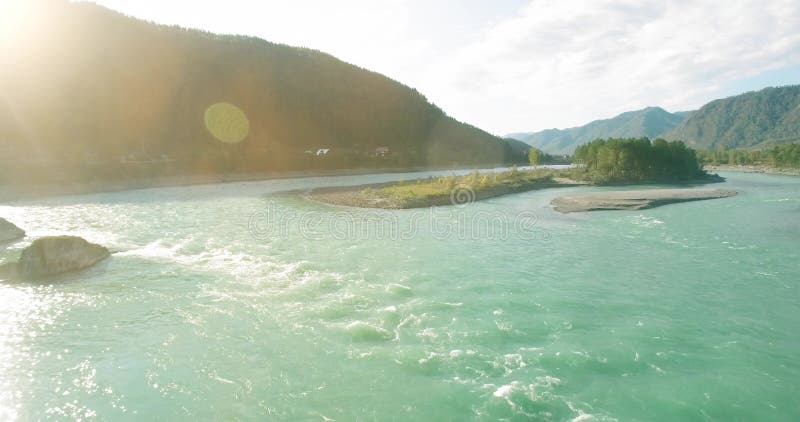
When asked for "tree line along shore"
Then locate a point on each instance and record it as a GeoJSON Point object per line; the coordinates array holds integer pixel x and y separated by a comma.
{"type": "Point", "coordinates": [778, 159]}
{"type": "Point", "coordinates": [602, 162]}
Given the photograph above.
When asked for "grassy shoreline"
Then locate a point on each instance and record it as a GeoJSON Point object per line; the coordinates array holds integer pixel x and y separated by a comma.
{"type": "Point", "coordinates": [461, 190]}
{"type": "Point", "coordinates": [442, 191]}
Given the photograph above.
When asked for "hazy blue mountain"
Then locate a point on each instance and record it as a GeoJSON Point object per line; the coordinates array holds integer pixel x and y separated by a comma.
{"type": "Point", "coordinates": [769, 116]}
{"type": "Point", "coordinates": [684, 114]}
{"type": "Point", "coordinates": [651, 122]}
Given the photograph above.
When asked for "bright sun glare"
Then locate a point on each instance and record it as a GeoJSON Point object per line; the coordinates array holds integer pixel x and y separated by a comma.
{"type": "Point", "coordinates": [11, 13]}
{"type": "Point", "coordinates": [14, 16]}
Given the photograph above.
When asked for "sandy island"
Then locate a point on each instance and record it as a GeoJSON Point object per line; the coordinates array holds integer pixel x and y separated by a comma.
{"type": "Point", "coordinates": [634, 199]}
{"type": "Point", "coordinates": [367, 196]}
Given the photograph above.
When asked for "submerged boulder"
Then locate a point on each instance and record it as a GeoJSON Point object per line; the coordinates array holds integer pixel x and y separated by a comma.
{"type": "Point", "coordinates": [58, 254]}
{"type": "Point", "coordinates": [9, 232]}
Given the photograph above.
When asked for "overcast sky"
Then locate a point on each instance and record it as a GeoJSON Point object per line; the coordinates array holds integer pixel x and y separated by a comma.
{"type": "Point", "coordinates": [517, 65]}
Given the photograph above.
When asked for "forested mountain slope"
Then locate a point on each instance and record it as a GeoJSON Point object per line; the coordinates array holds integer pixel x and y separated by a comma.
{"type": "Point", "coordinates": [88, 93]}
{"type": "Point", "coordinates": [767, 117]}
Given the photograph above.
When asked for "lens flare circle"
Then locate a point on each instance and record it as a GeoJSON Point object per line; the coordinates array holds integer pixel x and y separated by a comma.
{"type": "Point", "coordinates": [227, 123]}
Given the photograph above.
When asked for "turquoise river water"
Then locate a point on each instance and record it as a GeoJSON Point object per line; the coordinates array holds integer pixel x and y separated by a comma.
{"type": "Point", "coordinates": [241, 301]}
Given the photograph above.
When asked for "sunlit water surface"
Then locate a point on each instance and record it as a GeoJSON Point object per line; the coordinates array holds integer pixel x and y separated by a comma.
{"type": "Point", "coordinates": [237, 301]}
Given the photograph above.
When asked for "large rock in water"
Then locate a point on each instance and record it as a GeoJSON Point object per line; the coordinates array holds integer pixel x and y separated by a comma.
{"type": "Point", "coordinates": [59, 254]}
{"type": "Point", "coordinates": [9, 231]}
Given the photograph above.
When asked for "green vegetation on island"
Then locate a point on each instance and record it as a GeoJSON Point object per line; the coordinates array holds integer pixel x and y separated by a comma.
{"type": "Point", "coordinates": [609, 161]}
{"type": "Point", "coordinates": [447, 190]}
{"type": "Point", "coordinates": [603, 161]}
{"type": "Point", "coordinates": [476, 181]}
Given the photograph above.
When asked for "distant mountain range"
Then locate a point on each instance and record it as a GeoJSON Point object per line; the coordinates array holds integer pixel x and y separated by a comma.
{"type": "Point", "coordinates": [650, 122]}
{"type": "Point", "coordinates": [91, 94]}
{"type": "Point", "coordinates": [754, 119]}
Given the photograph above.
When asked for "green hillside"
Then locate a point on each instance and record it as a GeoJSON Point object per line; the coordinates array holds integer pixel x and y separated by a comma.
{"type": "Point", "coordinates": [91, 94]}
{"type": "Point", "coordinates": [767, 117]}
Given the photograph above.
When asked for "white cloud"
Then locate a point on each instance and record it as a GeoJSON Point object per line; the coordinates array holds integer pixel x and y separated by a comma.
{"type": "Point", "coordinates": [564, 63]}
